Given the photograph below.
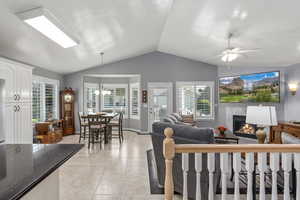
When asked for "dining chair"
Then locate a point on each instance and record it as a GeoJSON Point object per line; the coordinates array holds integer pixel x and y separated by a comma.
{"type": "Point", "coordinates": [119, 125]}
{"type": "Point", "coordinates": [84, 125]}
{"type": "Point", "coordinates": [96, 130]}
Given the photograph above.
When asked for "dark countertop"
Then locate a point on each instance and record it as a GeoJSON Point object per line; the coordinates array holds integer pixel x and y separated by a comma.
{"type": "Point", "coordinates": [23, 166]}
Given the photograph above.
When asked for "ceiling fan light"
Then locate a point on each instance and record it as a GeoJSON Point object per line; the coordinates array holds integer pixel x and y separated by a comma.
{"type": "Point", "coordinates": [224, 58]}
{"type": "Point", "coordinates": [229, 57]}
{"type": "Point", "coordinates": [232, 56]}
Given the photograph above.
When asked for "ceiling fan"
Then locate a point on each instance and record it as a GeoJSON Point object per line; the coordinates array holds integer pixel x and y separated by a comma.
{"type": "Point", "coordinates": [232, 53]}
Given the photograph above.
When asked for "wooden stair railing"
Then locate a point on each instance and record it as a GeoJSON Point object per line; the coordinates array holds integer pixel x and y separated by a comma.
{"type": "Point", "coordinates": [287, 154]}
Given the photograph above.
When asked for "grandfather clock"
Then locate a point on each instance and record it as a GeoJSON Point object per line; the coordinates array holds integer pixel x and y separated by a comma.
{"type": "Point", "coordinates": [67, 98]}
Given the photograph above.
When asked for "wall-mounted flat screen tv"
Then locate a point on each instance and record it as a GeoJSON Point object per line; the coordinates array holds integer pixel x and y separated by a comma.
{"type": "Point", "coordinates": [256, 88]}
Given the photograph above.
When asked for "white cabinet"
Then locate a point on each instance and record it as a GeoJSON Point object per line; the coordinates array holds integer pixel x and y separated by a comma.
{"type": "Point", "coordinates": [17, 102]}
{"type": "Point", "coordinates": [24, 124]}
{"type": "Point", "coordinates": [24, 85]}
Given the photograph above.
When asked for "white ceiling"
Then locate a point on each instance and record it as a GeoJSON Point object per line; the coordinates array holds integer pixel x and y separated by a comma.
{"type": "Point", "coordinates": [195, 29]}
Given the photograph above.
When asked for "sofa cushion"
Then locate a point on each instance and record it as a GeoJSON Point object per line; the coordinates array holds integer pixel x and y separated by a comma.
{"type": "Point", "coordinates": [203, 135]}
{"type": "Point", "coordinates": [178, 117]}
{"type": "Point", "coordinates": [173, 118]}
{"type": "Point", "coordinates": [168, 120]}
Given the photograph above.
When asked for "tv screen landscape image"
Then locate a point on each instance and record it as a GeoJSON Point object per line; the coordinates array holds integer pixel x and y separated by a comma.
{"type": "Point", "coordinates": [260, 88]}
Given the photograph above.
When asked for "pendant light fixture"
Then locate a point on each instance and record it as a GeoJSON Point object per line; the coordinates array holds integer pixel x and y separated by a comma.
{"type": "Point", "coordinates": [104, 92]}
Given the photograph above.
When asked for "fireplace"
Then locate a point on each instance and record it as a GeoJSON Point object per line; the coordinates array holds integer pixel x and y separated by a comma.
{"type": "Point", "coordinates": [241, 128]}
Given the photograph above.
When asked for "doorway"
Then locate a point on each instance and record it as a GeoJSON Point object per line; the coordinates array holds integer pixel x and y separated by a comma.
{"type": "Point", "coordinates": [160, 101]}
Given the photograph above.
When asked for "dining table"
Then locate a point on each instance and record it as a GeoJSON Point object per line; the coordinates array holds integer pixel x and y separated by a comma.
{"type": "Point", "coordinates": [107, 118]}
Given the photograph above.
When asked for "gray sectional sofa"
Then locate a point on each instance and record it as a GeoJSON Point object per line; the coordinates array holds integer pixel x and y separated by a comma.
{"type": "Point", "coordinates": [184, 134]}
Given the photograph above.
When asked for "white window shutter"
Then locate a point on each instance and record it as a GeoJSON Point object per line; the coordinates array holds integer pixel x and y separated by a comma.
{"type": "Point", "coordinates": [134, 96]}
{"type": "Point", "coordinates": [195, 98]}
{"type": "Point", "coordinates": [44, 99]}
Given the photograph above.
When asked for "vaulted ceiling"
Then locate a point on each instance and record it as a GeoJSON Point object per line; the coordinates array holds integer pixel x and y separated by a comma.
{"type": "Point", "coordinates": [195, 29]}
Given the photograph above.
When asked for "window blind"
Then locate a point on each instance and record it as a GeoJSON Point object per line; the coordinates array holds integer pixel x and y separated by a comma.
{"type": "Point", "coordinates": [91, 99]}
{"type": "Point", "coordinates": [134, 101]}
{"type": "Point", "coordinates": [195, 98]}
{"type": "Point", "coordinates": [36, 102]}
{"type": "Point", "coordinates": [117, 99]}
{"type": "Point", "coordinates": [50, 101]}
{"type": "Point", "coordinates": [44, 99]}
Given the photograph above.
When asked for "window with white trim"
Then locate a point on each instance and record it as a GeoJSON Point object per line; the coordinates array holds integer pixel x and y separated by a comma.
{"type": "Point", "coordinates": [44, 99]}
{"type": "Point", "coordinates": [115, 98]}
{"type": "Point", "coordinates": [91, 95]}
{"type": "Point", "coordinates": [196, 98]}
{"type": "Point", "coordinates": [134, 100]}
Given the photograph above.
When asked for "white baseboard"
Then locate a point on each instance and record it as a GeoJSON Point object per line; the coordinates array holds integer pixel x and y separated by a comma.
{"type": "Point", "coordinates": [136, 130]}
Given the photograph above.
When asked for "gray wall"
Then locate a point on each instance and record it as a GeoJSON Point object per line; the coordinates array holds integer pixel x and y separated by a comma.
{"type": "Point", "coordinates": [153, 67]}
{"type": "Point", "coordinates": [49, 74]}
{"type": "Point", "coordinates": [292, 103]}
{"type": "Point", "coordinates": [226, 110]}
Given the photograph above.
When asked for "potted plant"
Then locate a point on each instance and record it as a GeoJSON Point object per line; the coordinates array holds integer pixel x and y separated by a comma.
{"type": "Point", "coordinates": [222, 130]}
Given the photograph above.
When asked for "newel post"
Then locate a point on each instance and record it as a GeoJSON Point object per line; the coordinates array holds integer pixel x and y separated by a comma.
{"type": "Point", "coordinates": [169, 153]}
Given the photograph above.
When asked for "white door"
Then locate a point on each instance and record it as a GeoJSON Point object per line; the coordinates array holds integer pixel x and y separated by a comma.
{"type": "Point", "coordinates": [160, 101]}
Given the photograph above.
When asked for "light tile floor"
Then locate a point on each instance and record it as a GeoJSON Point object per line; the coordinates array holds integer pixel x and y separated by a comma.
{"type": "Point", "coordinates": [116, 172]}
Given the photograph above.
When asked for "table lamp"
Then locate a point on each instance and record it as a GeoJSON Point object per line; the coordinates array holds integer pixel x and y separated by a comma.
{"type": "Point", "coordinates": [262, 116]}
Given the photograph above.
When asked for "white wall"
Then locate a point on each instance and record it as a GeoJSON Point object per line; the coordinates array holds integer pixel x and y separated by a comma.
{"type": "Point", "coordinates": [292, 103]}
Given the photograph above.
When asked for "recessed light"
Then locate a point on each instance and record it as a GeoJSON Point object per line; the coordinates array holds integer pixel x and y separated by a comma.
{"type": "Point", "coordinates": [44, 22]}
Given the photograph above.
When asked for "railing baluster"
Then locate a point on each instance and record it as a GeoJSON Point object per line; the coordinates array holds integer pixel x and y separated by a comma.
{"type": "Point", "coordinates": [198, 168]}
{"type": "Point", "coordinates": [185, 168]}
{"type": "Point", "coordinates": [274, 165]}
{"type": "Point", "coordinates": [237, 168]}
{"type": "Point", "coordinates": [287, 166]}
{"type": "Point", "coordinates": [250, 169]}
{"type": "Point", "coordinates": [169, 154]}
{"type": "Point", "coordinates": [297, 168]}
{"type": "Point", "coordinates": [262, 167]}
{"type": "Point", "coordinates": [211, 169]}
{"type": "Point", "coordinates": [224, 170]}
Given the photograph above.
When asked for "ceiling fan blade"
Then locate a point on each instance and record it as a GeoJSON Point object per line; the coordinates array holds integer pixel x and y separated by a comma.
{"type": "Point", "coordinates": [235, 49]}
{"type": "Point", "coordinates": [247, 50]}
{"type": "Point", "coordinates": [243, 55]}
{"type": "Point", "coordinates": [212, 57]}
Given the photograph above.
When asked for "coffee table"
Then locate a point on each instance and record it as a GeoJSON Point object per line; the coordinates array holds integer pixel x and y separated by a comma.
{"type": "Point", "coordinates": [228, 137]}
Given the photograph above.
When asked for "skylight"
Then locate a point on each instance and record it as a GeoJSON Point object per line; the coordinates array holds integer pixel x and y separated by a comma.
{"type": "Point", "coordinates": [42, 21]}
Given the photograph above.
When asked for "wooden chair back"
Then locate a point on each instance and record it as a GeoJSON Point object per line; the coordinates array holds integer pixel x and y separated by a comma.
{"type": "Point", "coordinates": [94, 120]}
{"type": "Point", "coordinates": [121, 118]}
{"type": "Point", "coordinates": [42, 128]}
{"type": "Point", "coordinates": [79, 117]}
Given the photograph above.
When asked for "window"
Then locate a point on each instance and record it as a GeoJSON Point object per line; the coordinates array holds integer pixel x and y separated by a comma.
{"type": "Point", "coordinates": [134, 100]}
{"type": "Point", "coordinates": [196, 98]}
{"type": "Point", "coordinates": [115, 97]}
{"type": "Point", "coordinates": [44, 99]}
{"type": "Point", "coordinates": [91, 97]}
{"type": "Point", "coordinates": [36, 102]}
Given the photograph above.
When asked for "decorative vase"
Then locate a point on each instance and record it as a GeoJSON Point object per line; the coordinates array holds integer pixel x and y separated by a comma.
{"type": "Point", "coordinates": [222, 133]}
{"type": "Point", "coordinates": [261, 135]}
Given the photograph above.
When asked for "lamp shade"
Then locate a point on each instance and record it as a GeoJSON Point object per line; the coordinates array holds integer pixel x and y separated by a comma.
{"type": "Point", "coordinates": [261, 115]}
